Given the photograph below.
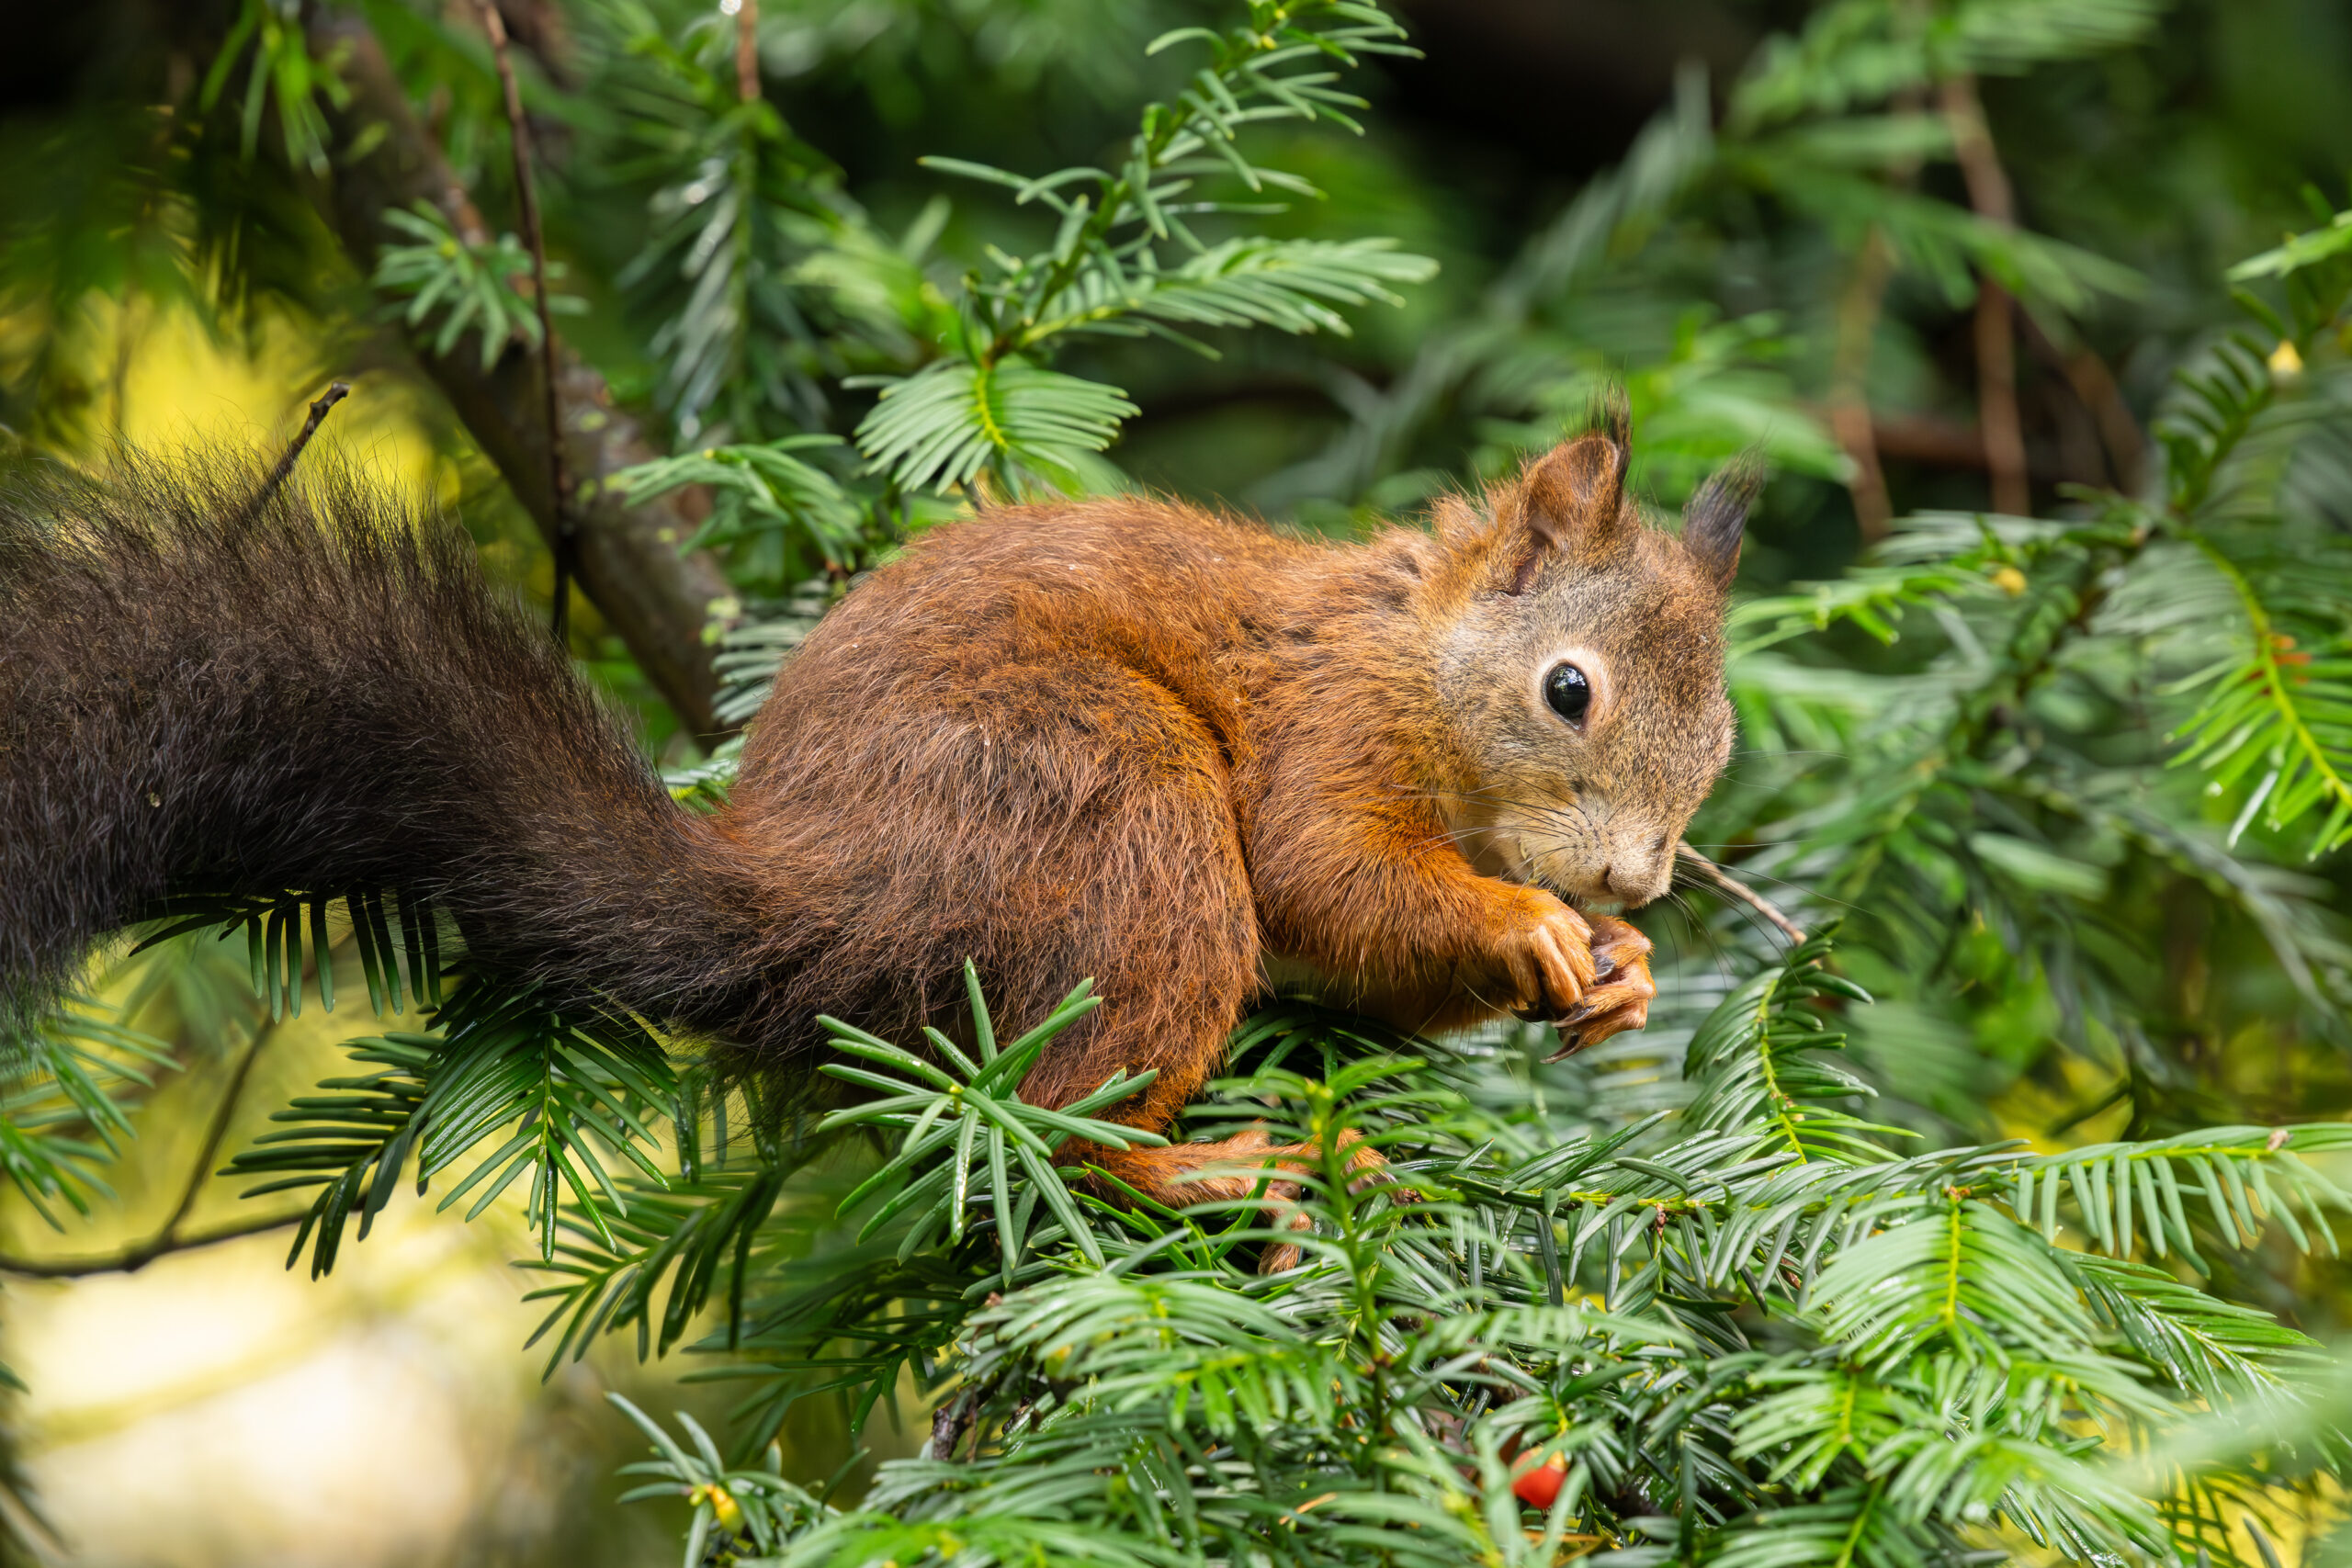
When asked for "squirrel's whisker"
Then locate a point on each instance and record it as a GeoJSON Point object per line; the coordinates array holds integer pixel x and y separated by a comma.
{"type": "Point", "coordinates": [1740, 912]}
{"type": "Point", "coordinates": [1749, 873]}
{"type": "Point", "coordinates": [1733, 887]}
{"type": "Point", "coordinates": [1689, 921]}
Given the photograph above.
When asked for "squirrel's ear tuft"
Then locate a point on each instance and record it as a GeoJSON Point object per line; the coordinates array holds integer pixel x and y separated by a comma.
{"type": "Point", "coordinates": [1574, 496]}
{"type": "Point", "coordinates": [1712, 523]}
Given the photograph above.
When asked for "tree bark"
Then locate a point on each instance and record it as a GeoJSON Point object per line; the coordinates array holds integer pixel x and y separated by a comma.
{"type": "Point", "coordinates": [657, 601]}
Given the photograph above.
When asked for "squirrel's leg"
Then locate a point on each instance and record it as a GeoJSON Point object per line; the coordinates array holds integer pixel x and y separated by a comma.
{"type": "Point", "coordinates": [1048, 819]}
{"type": "Point", "coordinates": [1094, 837]}
{"type": "Point", "coordinates": [1070, 819]}
{"type": "Point", "coordinates": [1370, 890]}
{"type": "Point", "coordinates": [1140, 885]}
{"type": "Point", "coordinates": [1231, 1170]}
{"type": "Point", "coordinates": [1170, 939]}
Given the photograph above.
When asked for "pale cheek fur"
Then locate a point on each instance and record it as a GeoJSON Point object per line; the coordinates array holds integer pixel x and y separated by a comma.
{"type": "Point", "coordinates": [1559, 847]}
{"type": "Point", "coordinates": [1588, 851]}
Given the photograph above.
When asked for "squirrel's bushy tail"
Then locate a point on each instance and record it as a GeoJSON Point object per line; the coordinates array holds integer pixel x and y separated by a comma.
{"type": "Point", "coordinates": [210, 684]}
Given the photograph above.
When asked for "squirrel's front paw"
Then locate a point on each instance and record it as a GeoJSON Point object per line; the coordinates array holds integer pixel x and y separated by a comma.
{"type": "Point", "coordinates": [1542, 956]}
{"type": "Point", "coordinates": [1620, 998]}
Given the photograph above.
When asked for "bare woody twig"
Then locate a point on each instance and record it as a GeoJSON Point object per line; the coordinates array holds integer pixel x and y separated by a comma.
{"type": "Point", "coordinates": [527, 192]}
{"type": "Point", "coordinates": [172, 1238]}
{"type": "Point", "coordinates": [2095, 384]}
{"type": "Point", "coordinates": [336, 391]}
{"type": "Point", "coordinates": [130, 1259]}
{"type": "Point", "coordinates": [1996, 355]}
{"type": "Point", "coordinates": [1849, 412]}
{"type": "Point", "coordinates": [747, 50]}
{"type": "Point", "coordinates": [2126, 447]}
{"type": "Point", "coordinates": [1859, 304]}
{"type": "Point", "coordinates": [1733, 888]}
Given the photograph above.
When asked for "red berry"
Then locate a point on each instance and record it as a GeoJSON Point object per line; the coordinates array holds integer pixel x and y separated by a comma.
{"type": "Point", "coordinates": [1539, 1485]}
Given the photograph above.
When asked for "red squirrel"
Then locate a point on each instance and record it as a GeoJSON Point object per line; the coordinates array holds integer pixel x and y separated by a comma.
{"type": "Point", "coordinates": [1117, 739]}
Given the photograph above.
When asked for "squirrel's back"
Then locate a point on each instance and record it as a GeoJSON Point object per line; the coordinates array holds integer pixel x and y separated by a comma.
{"type": "Point", "coordinates": [952, 761]}
{"type": "Point", "coordinates": [1182, 597]}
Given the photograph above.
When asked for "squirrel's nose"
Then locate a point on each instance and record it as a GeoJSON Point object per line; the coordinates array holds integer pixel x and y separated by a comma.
{"type": "Point", "coordinates": [1632, 888]}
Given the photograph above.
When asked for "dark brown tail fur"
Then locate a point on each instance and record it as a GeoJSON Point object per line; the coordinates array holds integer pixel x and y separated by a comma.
{"type": "Point", "coordinates": [318, 691]}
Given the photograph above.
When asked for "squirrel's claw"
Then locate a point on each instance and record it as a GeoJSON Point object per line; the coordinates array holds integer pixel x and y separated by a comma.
{"type": "Point", "coordinates": [1621, 1000]}
{"type": "Point", "coordinates": [1545, 948]}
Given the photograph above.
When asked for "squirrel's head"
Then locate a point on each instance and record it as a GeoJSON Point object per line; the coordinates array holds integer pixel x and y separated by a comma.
{"type": "Point", "coordinates": [1583, 674]}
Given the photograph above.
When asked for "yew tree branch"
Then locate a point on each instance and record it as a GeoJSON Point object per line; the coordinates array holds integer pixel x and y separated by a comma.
{"type": "Point", "coordinates": [655, 600]}
{"type": "Point", "coordinates": [171, 1238]}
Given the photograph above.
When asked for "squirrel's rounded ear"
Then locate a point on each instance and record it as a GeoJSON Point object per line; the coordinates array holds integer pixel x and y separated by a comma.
{"type": "Point", "coordinates": [1712, 523]}
{"type": "Point", "coordinates": [1574, 496]}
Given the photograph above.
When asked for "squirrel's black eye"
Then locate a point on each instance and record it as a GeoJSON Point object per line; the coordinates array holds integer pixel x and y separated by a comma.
{"type": "Point", "coordinates": [1568, 692]}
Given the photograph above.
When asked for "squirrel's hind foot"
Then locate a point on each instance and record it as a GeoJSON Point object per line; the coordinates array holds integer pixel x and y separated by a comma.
{"type": "Point", "coordinates": [1231, 1170]}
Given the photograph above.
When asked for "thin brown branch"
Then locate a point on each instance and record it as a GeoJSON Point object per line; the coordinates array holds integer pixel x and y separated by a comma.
{"type": "Point", "coordinates": [1849, 410]}
{"type": "Point", "coordinates": [1937, 442]}
{"type": "Point", "coordinates": [526, 190]}
{"type": "Point", "coordinates": [2119, 430]}
{"type": "Point", "coordinates": [1928, 439]}
{"type": "Point", "coordinates": [336, 391]}
{"type": "Point", "coordinates": [537, 28]}
{"type": "Point", "coordinates": [747, 50]}
{"type": "Point", "coordinates": [218, 1132]}
{"type": "Point", "coordinates": [656, 600]}
{"type": "Point", "coordinates": [170, 1238]}
{"type": "Point", "coordinates": [130, 1259]}
{"type": "Point", "coordinates": [1859, 305]}
{"type": "Point", "coordinates": [1733, 888]}
{"type": "Point", "coordinates": [1997, 356]}
{"type": "Point", "coordinates": [1996, 400]}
